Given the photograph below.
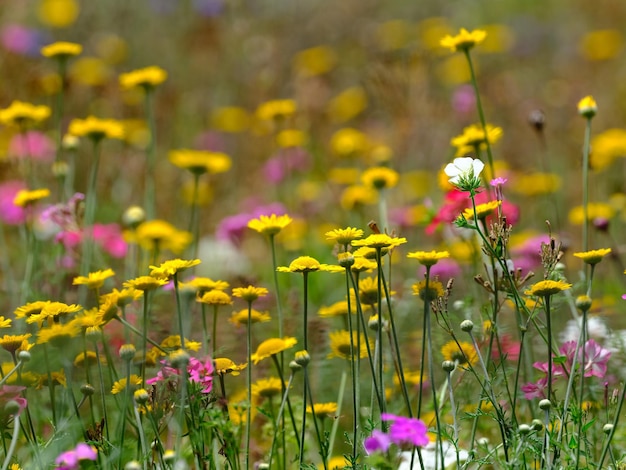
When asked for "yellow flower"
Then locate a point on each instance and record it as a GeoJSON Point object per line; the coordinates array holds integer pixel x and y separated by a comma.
{"type": "Point", "coordinates": [428, 258]}
{"type": "Point", "coordinates": [291, 138]}
{"type": "Point", "coordinates": [240, 318]}
{"type": "Point", "coordinates": [230, 119]}
{"type": "Point", "coordinates": [344, 236]}
{"type": "Point", "coordinates": [547, 288]}
{"type": "Point", "coordinates": [593, 256]}
{"type": "Point", "coordinates": [92, 321]}
{"type": "Point", "coordinates": [435, 289]}
{"type": "Point", "coordinates": [368, 290]}
{"type": "Point", "coordinates": [343, 175]}
{"type": "Point", "coordinates": [606, 147]}
{"type": "Point", "coordinates": [380, 177]}
{"type": "Point", "coordinates": [361, 263]}
{"type": "Point", "coordinates": [463, 41]}
{"type": "Point", "coordinates": [215, 297]}
{"type": "Point", "coordinates": [473, 137]}
{"type": "Point", "coordinates": [96, 129]}
{"type": "Point", "coordinates": [61, 49]}
{"type": "Point", "coordinates": [123, 297]}
{"type": "Point", "coordinates": [168, 269]}
{"type": "Point", "coordinates": [323, 410]}
{"type": "Point", "coordinates": [335, 310]}
{"type": "Point", "coordinates": [12, 343]}
{"type": "Point", "coordinates": [55, 378]}
{"type": "Point", "coordinates": [380, 240]}
{"type": "Point", "coordinates": [348, 142]}
{"type": "Point", "coordinates": [340, 344]}
{"type": "Point", "coordinates": [223, 365]}
{"type": "Point", "coordinates": [347, 104]}
{"type": "Point", "coordinates": [273, 346]}
{"type": "Point", "coordinates": [173, 343]}
{"type": "Point", "coordinates": [94, 280]}
{"type": "Point", "coordinates": [536, 183]}
{"type": "Point", "coordinates": [58, 13]}
{"type": "Point", "coordinates": [267, 388]}
{"type": "Point", "coordinates": [315, 61]}
{"type": "Point", "coordinates": [120, 385]}
{"type": "Point", "coordinates": [203, 285]}
{"type": "Point", "coordinates": [335, 463]}
{"type": "Point", "coordinates": [603, 44]}
{"type": "Point", "coordinates": [199, 162]}
{"type": "Point", "coordinates": [356, 195]}
{"type": "Point", "coordinates": [86, 359]}
{"type": "Point", "coordinates": [22, 114]}
{"type": "Point", "coordinates": [24, 197]}
{"type": "Point", "coordinates": [148, 77]}
{"type": "Point", "coordinates": [270, 224]}
{"type": "Point", "coordinates": [595, 210]}
{"type": "Point", "coordinates": [162, 235]}
{"type": "Point", "coordinates": [31, 308]}
{"type": "Point", "coordinates": [58, 333]}
{"type": "Point", "coordinates": [276, 109]}
{"type": "Point", "coordinates": [482, 210]}
{"type": "Point", "coordinates": [5, 322]}
{"type": "Point", "coordinates": [587, 107]}
{"type": "Point", "coordinates": [250, 293]}
{"type": "Point", "coordinates": [53, 311]}
{"type": "Point", "coordinates": [461, 355]}
{"type": "Point", "coordinates": [307, 264]}
{"type": "Point", "coordinates": [144, 283]}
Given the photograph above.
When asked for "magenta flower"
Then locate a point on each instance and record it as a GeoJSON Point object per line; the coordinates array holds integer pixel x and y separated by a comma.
{"type": "Point", "coordinates": [498, 181]}
{"type": "Point", "coordinates": [377, 442]}
{"type": "Point", "coordinates": [596, 359]}
{"type": "Point", "coordinates": [109, 238]}
{"type": "Point", "coordinates": [11, 214]}
{"type": "Point", "coordinates": [535, 390]}
{"type": "Point", "coordinates": [34, 145]}
{"type": "Point", "coordinates": [71, 459]}
{"type": "Point", "coordinates": [201, 373]}
{"type": "Point", "coordinates": [402, 432]}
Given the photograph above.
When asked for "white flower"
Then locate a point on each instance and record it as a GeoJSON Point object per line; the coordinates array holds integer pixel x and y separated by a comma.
{"type": "Point", "coordinates": [464, 168]}
{"type": "Point", "coordinates": [431, 457]}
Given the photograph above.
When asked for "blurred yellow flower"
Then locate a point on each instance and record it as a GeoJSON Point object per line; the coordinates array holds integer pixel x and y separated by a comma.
{"type": "Point", "coordinates": [380, 240]}
{"type": "Point", "coordinates": [148, 77]}
{"type": "Point", "coordinates": [12, 343]}
{"type": "Point", "coordinates": [168, 269]}
{"type": "Point", "coordinates": [203, 285]}
{"type": "Point", "coordinates": [473, 137]}
{"type": "Point", "coordinates": [267, 388]}
{"type": "Point", "coordinates": [291, 138]}
{"type": "Point", "coordinates": [595, 210]}
{"type": "Point", "coordinates": [380, 177]}
{"type": "Point", "coordinates": [271, 347]}
{"type": "Point", "coordinates": [603, 44]}
{"type": "Point", "coordinates": [90, 71]}
{"type": "Point", "coordinates": [199, 162]}
{"type": "Point", "coordinates": [393, 35]}
{"type": "Point", "coordinates": [240, 318]}
{"type": "Point", "coordinates": [215, 297]}
{"type": "Point", "coordinates": [461, 353]}
{"type": "Point", "coordinates": [340, 345]}
{"type": "Point", "coordinates": [23, 114]}
{"type": "Point", "coordinates": [159, 234]}
{"type": "Point", "coordinates": [344, 236]}
{"type": "Point", "coordinates": [200, 196]}
{"type": "Point", "coordinates": [348, 142]}
{"type": "Point", "coordinates": [431, 30]}
{"type": "Point", "coordinates": [315, 61]}
{"type": "Point", "coordinates": [606, 147]}
{"type": "Point", "coordinates": [344, 176]}
{"type": "Point", "coordinates": [96, 129]}
{"type": "Point", "coordinates": [428, 258]}
{"type": "Point", "coordinates": [231, 119]}
{"type": "Point", "coordinates": [25, 198]}
{"type": "Point", "coordinates": [587, 107]}
{"type": "Point", "coordinates": [323, 410]}
{"type": "Point", "coordinates": [454, 70]}
{"type": "Point", "coordinates": [435, 289]}
{"type": "Point", "coordinates": [58, 13]}
{"type": "Point", "coordinates": [5, 322]}
{"type": "Point", "coordinates": [593, 256]}
{"type": "Point", "coordinates": [61, 49]}
{"type": "Point", "coordinates": [335, 463]}
{"type": "Point", "coordinates": [94, 280]}
{"type": "Point", "coordinates": [536, 184]}
{"type": "Point", "coordinates": [173, 343]}
{"type": "Point", "coordinates": [347, 104]}
{"type": "Point", "coordinates": [58, 333]}
{"type": "Point", "coordinates": [335, 310]}
{"type": "Point", "coordinates": [53, 311]}
{"type": "Point", "coordinates": [306, 264]}
{"type": "Point", "coordinates": [276, 109]}
{"type": "Point", "coordinates": [223, 365]}
{"type": "Point", "coordinates": [270, 224]}
{"type": "Point", "coordinates": [250, 293]}
{"type": "Point", "coordinates": [463, 41]}
{"type": "Point", "coordinates": [499, 38]}
{"type": "Point", "coordinates": [482, 210]}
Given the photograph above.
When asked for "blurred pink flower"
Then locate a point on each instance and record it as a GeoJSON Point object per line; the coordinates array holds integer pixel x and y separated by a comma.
{"type": "Point", "coordinates": [20, 40]}
{"type": "Point", "coordinates": [70, 460]}
{"type": "Point", "coordinates": [464, 100]}
{"type": "Point", "coordinates": [11, 214]}
{"type": "Point", "coordinates": [445, 269]}
{"type": "Point", "coordinates": [33, 144]}
{"type": "Point", "coordinates": [109, 237]}
{"type": "Point", "coordinates": [285, 162]}
{"type": "Point", "coordinates": [535, 389]}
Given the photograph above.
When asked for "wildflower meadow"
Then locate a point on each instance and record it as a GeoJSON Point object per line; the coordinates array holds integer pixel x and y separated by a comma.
{"type": "Point", "coordinates": [312, 235]}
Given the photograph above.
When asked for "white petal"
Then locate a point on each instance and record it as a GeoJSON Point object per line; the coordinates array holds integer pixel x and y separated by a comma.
{"type": "Point", "coordinates": [464, 164]}
{"type": "Point", "coordinates": [452, 170]}
{"type": "Point", "coordinates": [478, 166]}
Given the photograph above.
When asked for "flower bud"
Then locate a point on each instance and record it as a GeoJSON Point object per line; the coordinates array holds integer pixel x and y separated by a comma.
{"type": "Point", "coordinates": [87, 390]}
{"type": "Point", "coordinates": [524, 429]}
{"type": "Point", "coordinates": [141, 396]}
{"type": "Point", "coordinates": [607, 428]}
{"type": "Point", "coordinates": [127, 352]}
{"type": "Point", "coordinates": [536, 425]}
{"type": "Point", "coordinates": [169, 456]}
{"type": "Point", "coordinates": [24, 356]}
{"type": "Point", "coordinates": [179, 358]}
{"type": "Point", "coordinates": [294, 366]}
{"type": "Point", "coordinates": [467, 325]}
{"type": "Point", "coordinates": [345, 259]}
{"type": "Point", "coordinates": [583, 303]}
{"type": "Point", "coordinates": [133, 216]}
{"type": "Point", "coordinates": [302, 358]}
{"type": "Point", "coordinates": [448, 366]}
{"type": "Point", "coordinates": [132, 465]}
{"type": "Point", "coordinates": [545, 404]}
{"type": "Point", "coordinates": [70, 142]}
{"type": "Point", "coordinates": [11, 407]}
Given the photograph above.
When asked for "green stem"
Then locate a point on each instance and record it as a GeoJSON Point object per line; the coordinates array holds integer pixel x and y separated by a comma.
{"type": "Point", "coordinates": [586, 152]}
{"type": "Point", "coordinates": [379, 336]}
{"type": "Point", "coordinates": [305, 388]}
{"type": "Point", "coordinates": [179, 311]}
{"type": "Point", "coordinates": [423, 354]}
{"type": "Point", "coordinates": [149, 199]}
{"type": "Point", "coordinates": [354, 373]}
{"type": "Point", "coordinates": [194, 220]}
{"type": "Point", "coordinates": [124, 413]}
{"type": "Point", "coordinates": [90, 212]}
{"type": "Point", "coordinates": [249, 383]}
{"type": "Point", "coordinates": [14, 439]}
{"type": "Point", "coordinates": [145, 338]}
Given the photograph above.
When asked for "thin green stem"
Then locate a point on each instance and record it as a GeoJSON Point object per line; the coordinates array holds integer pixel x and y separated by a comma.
{"type": "Point", "coordinates": [249, 383]}
{"type": "Point", "coordinates": [14, 439]}
{"type": "Point", "coordinates": [149, 198]}
{"type": "Point", "coordinates": [586, 152]}
{"type": "Point", "coordinates": [179, 311]}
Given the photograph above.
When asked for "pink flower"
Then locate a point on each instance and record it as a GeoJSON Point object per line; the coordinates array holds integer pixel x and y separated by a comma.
{"type": "Point", "coordinates": [11, 214]}
{"type": "Point", "coordinates": [498, 181]}
{"type": "Point", "coordinates": [110, 239]}
{"type": "Point", "coordinates": [70, 460]}
{"type": "Point", "coordinates": [403, 431]}
{"type": "Point", "coordinates": [377, 442]}
{"type": "Point", "coordinates": [596, 359]}
{"type": "Point", "coordinates": [201, 373]}
{"type": "Point", "coordinates": [35, 145]}
{"type": "Point", "coordinates": [20, 40]}
{"type": "Point", "coordinates": [535, 390]}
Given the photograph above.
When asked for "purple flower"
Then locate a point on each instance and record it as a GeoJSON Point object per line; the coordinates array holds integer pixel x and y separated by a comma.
{"type": "Point", "coordinates": [407, 430]}
{"type": "Point", "coordinates": [377, 442]}
{"type": "Point", "coordinates": [535, 390]}
{"type": "Point", "coordinates": [70, 460]}
{"type": "Point", "coordinates": [11, 214]}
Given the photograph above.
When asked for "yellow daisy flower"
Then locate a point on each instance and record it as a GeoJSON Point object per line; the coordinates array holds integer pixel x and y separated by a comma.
{"type": "Point", "coordinates": [61, 49]}
{"type": "Point", "coordinates": [5, 322]}
{"type": "Point", "coordinates": [168, 269]}
{"type": "Point", "coordinates": [335, 310]}
{"type": "Point", "coordinates": [466, 353]}
{"type": "Point", "coordinates": [86, 359]}
{"type": "Point", "coordinates": [272, 346]}
{"type": "Point", "coordinates": [53, 311]}
{"type": "Point", "coordinates": [23, 114]}
{"type": "Point", "coordinates": [307, 264]}
{"type": "Point", "coordinates": [270, 224]}
{"type": "Point", "coordinates": [428, 258]}
{"type": "Point", "coordinates": [24, 197]}
{"type": "Point", "coordinates": [323, 410]}
{"type": "Point", "coordinates": [173, 343]}
{"type": "Point", "coordinates": [276, 109]}
{"type": "Point", "coordinates": [199, 162]}
{"type": "Point", "coordinates": [380, 177]}
{"type": "Point", "coordinates": [267, 388]}
{"type": "Point", "coordinates": [148, 77]}
{"type": "Point", "coordinates": [482, 210]}
{"type": "Point", "coordinates": [380, 240]}
{"type": "Point", "coordinates": [340, 344]}
{"type": "Point", "coordinates": [240, 318]}
{"type": "Point", "coordinates": [356, 196]}
{"type": "Point", "coordinates": [474, 137]}
{"type": "Point", "coordinates": [215, 297]}
{"type": "Point", "coordinates": [94, 280]}
{"type": "Point", "coordinates": [593, 256]}
{"type": "Point", "coordinates": [31, 308]}
{"type": "Point", "coordinates": [547, 288]}
{"type": "Point", "coordinates": [120, 385]}
{"type": "Point", "coordinates": [58, 333]}
{"type": "Point", "coordinates": [223, 365]}
{"type": "Point", "coordinates": [344, 236]}
{"type": "Point", "coordinates": [203, 285]}
{"type": "Point", "coordinates": [435, 289]}
{"type": "Point", "coordinates": [463, 41]}
{"type": "Point", "coordinates": [144, 283]}
{"type": "Point", "coordinates": [159, 233]}
{"type": "Point", "coordinates": [12, 343]}
{"type": "Point", "coordinates": [250, 293]}
{"type": "Point", "coordinates": [96, 129]}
